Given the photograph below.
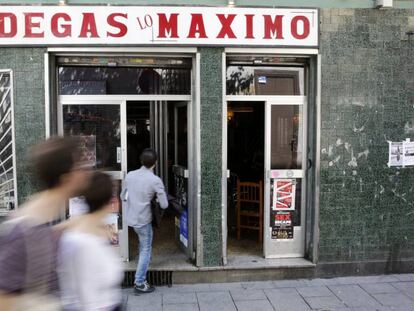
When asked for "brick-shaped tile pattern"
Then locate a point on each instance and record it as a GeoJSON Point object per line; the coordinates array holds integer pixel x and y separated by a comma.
{"type": "Point", "coordinates": [367, 98]}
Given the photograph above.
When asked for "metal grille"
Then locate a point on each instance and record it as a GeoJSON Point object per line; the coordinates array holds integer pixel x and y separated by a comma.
{"type": "Point", "coordinates": [7, 150]}
{"type": "Point", "coordinates": [157, 278]}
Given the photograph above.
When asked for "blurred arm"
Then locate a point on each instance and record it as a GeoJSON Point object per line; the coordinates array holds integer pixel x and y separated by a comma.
{"type": "Point", "coordinates": [161, 195]}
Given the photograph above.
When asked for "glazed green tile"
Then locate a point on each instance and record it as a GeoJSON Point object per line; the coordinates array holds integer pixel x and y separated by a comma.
{"type": "Point", "coordinates": [365, 102]}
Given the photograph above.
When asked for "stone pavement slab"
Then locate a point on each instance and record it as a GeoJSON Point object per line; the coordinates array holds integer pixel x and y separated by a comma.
{"type": "Point", "coordinates": [324, 303]}
{"type": "Point", "coordinates": [394, 299]}
{"type": "Point", "coordinates": [179, 298]}
{"type": "Point", "coordinates": [215, 301]}
{"type": "Point", "coordinates": [245, 294]}
{"type": "Point", "coordinates": [314, 291]}
{"type": "Point", "coordinates": [379, 288]}
{"type": "Point", "coordinates": [354, 296]}
{"type": "Point", "coordinates": [254, 305]}
{"type": "Point", "coordinates": [373, 293]}
{"type": "Point", "coordinates": [181, 307]}
{"type": "Point", "coordinates": [286, 299]}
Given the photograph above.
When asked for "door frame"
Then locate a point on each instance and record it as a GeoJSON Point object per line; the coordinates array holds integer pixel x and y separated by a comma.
{"type": "Point", "coordinates": [121, 100]}
{"type": "Point", "coordinates": [313, 78]}
{"type": "Point", "coordinates": [284, 173]}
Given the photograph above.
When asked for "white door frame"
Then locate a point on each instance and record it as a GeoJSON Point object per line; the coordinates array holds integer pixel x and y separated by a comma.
{"type": "Point", "coordinates": [121, 100]}
{"type": "Point", "coordinates": [282, 52]}
{"type": "Point", "coordinates": [283, 248]}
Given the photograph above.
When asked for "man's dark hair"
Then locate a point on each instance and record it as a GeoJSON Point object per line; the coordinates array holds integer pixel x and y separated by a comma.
{"type": "Point", "coordinates": [53, 158]}
{"type": "Point", "coordinates": [99, 191]}
{"type": "Point", "coordinates": [148, 157]}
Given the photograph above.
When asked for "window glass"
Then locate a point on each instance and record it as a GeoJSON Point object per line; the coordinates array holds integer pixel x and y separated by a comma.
{"type": "Point", "coordinates": [105, 80]}
{"type": "Point", "coordinates": [286, 137]}
{"type": "Point", "coordinates": [255, 80]}
{"type": "Point", "coordinates": [98, 127]}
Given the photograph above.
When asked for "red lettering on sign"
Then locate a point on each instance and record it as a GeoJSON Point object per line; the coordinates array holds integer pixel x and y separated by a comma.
{"type": "Point", "coordinates": [30, 24]}
{"type": "Point", "coordinates": [197, 26]}
{"type": "Point", "coordinates": [249, 26]}
{"type": "Point", "coordinates": [13, 25]}
{"type": "Point", "coordinates": [123, 29]}
{"type": "Point", "coordinates": [167, 25]}
{"type": "Point", "coordinates": [226, 26]}
{"type": "Point", "coordinates": [273, 27]}
{"type": "Point", "coordinates": [88, 26]}
{"type": "Point", "coordinates": [294, 27]}
{"type": "Point", "coordinates": [67, 29]}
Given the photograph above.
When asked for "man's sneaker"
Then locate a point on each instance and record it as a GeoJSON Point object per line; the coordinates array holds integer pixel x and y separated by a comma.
{"type": "Point", "coordinates": [144, 288]}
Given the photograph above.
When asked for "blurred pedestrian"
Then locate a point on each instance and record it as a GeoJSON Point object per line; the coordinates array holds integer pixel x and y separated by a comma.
{"type": "Point", "coordinates": [89, 269]}
{"type": "Point", "coordinates": [140, 188]}
{"type": "Point", "coordinates": [27, 240]}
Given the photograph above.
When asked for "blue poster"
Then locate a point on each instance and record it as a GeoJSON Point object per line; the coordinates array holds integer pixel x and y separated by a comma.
{"type": "Point", "coordinates": [184, 227]}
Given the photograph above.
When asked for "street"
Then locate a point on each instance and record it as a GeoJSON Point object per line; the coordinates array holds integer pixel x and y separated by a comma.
{"type": "Point", "coordinates": [383, 293]}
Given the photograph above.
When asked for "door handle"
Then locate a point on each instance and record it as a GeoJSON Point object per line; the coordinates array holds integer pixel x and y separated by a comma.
{"type": "Point", "coordinates": [309, 163]}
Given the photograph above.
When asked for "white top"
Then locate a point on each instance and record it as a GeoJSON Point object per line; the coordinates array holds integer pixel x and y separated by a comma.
{"type": "Point", "coordinates": [89, 272]}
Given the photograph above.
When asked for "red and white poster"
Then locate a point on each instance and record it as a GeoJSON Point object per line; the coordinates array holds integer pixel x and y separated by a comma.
{"type": "Point", "coordinates": [284, 192]}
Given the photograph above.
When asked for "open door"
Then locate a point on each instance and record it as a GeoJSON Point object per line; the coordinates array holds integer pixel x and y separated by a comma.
{"type": "Point", "coordinates": [180, 175]}
{"type": "Point", "coordinates": [285, 154]}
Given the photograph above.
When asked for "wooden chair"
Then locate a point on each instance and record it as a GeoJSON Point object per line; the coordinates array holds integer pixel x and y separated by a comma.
{"type": "Point", "coordinates": [250, 207]}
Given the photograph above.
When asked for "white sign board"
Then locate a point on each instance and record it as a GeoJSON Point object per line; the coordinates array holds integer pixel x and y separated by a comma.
{"type": "Point", "coordinates": [136, 25]}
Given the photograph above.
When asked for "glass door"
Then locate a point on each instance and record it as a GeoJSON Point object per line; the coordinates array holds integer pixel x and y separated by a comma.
{"type": "Point", "coordinates": [285, 165]}
{"type": "Point", "coordinates": [180, 174]}
{"type": "Point", "coordinates": [98, 124]}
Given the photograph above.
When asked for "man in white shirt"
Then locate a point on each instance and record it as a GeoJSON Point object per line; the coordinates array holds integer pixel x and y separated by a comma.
{"type": "Point", "coordinates": [140, 187]}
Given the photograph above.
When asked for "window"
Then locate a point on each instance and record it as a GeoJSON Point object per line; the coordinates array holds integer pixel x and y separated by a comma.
{"type": "Point", "coordinates": [125, 76]}
{"type": "Point", "coordinates": [8, 197]}
{"type": "Point", "coordinates": [265, 75]}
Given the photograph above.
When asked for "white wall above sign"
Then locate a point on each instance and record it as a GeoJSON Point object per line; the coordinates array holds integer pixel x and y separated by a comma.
{"type": "Point", "coordinates": [123, 25]}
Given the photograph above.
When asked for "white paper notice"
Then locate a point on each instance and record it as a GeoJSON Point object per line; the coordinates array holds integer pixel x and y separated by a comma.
{"type": "Point", "coordinates": [77, 207]}
{"type": "Point", "coordinates": [395, 155]}
{"type": "Point", "coordinates": [408, 153]}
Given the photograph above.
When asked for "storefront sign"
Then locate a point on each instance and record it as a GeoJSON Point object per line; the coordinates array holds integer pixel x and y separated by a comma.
{"type": "Point", "coordinates": [100, 25]}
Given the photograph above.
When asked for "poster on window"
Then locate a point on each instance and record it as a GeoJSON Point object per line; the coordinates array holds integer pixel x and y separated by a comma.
{"type": "Point", "coordinates": [282, 225]}
{"type": "Point", "coordinates": [284, 194]}
{"type": "Point", "coordinates": [111, 226]}
{"type": "Point", "coordinates": [115, 200]}
{"type": "Point", "coordinates": [88, 150]}
{"type": "Point", "coordinates": [77, 207]}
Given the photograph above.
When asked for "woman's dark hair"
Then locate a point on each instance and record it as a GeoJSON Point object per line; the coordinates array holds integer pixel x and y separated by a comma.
{"type": "Point", "coordinates": [148, 157]}
{"type": "Point", "coordinates": [99, 191]}
{"type": "Point", "coordinates": [53, 158]}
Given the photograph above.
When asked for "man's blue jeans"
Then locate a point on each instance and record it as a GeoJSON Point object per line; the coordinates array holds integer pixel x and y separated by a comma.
{"type": "Point", "coordinates": [145, 235]}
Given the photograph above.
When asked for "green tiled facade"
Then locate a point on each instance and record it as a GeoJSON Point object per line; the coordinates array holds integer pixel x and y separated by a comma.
{"type": "Point", "coordinates": [29, 109]}
{"type": "Point", "coordinates": [211, 153]}
{"type": "Point", "coordinates": [366, 208]}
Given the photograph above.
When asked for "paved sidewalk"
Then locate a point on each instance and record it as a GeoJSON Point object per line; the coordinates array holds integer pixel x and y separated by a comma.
{"type": "Point", "coordinates": [382, 293]}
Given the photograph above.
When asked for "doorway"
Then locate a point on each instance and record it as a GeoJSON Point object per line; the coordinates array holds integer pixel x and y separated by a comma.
{"type": "Point", "coordinates": [245, 159]}
{"type": "Point", "coordinates": [163, 126]}
{"type": "Point", "coordinates": [121, 105]}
